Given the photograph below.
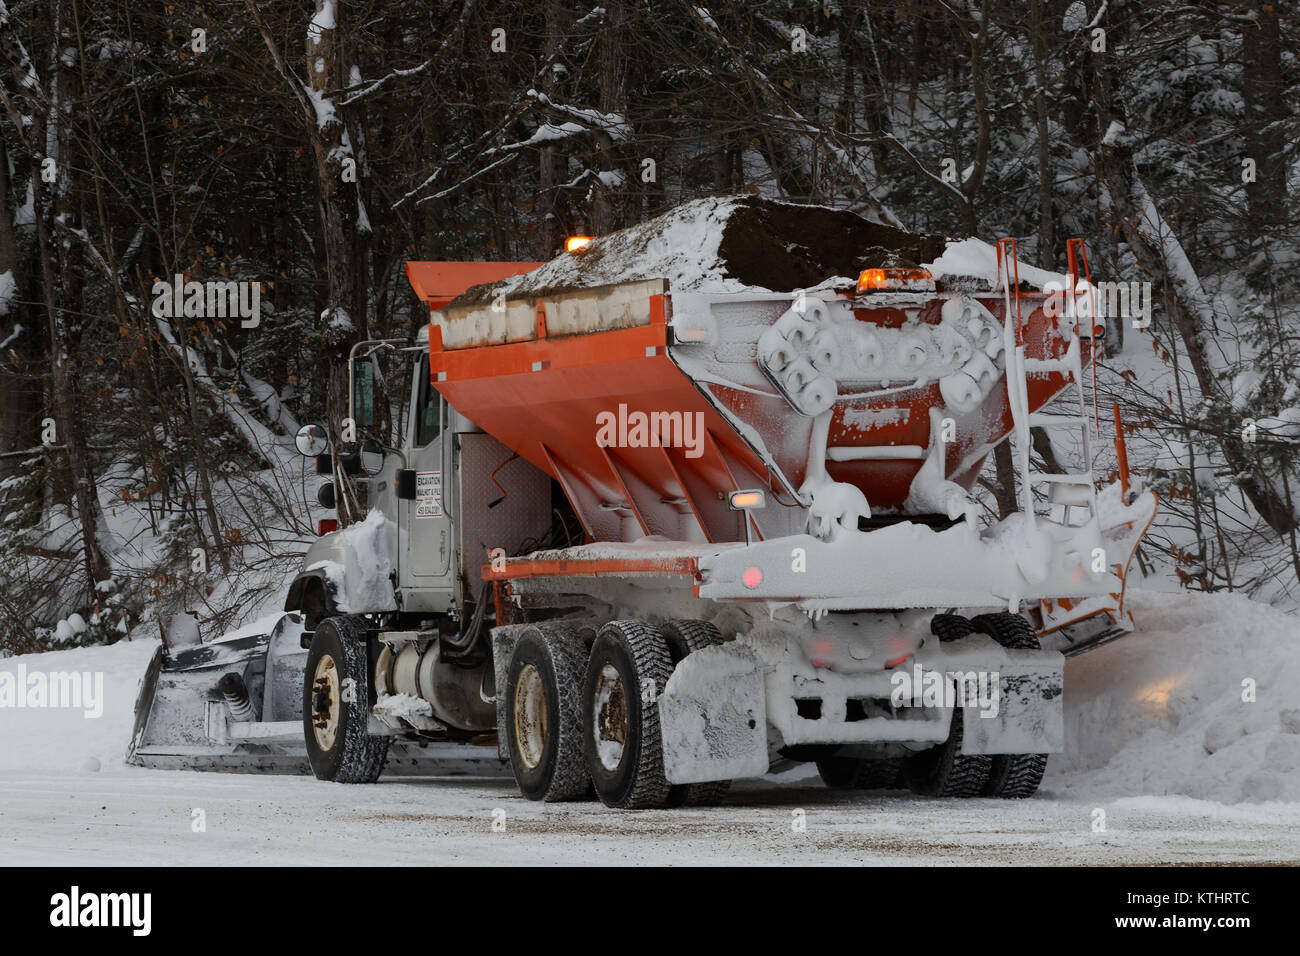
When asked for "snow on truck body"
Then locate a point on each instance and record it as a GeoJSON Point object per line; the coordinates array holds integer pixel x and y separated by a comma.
{"type": "Point", "coordinates": [658, 527]}
{"type": "Point", "coordinates": [862, 388]}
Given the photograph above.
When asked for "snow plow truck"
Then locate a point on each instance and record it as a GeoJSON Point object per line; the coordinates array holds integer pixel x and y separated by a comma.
{"type": "Point", "coordinates": [643, 538]}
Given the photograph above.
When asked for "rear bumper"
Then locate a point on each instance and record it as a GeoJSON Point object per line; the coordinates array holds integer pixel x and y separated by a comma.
{"type": "Point", "coordinates": [727, 709]}
{"type": "Point", "coordinates": [909, 565]}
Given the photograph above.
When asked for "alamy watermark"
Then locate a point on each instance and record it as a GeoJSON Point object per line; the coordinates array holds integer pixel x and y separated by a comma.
{"type": "Point", "coordinates": [213, 299]}
{"type": "Point", "coordinates": [76, 909]}
{"type": "Point", "coordinates": [55, 690]}
{"type": "Point", "coordinates": [1109, 300]}
{"type": "Point", "coordinates": [931, 688]}
{"type": "Point", "coordinates": [637, 429]}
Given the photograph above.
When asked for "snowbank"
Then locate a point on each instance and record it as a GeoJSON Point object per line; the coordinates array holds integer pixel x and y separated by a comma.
{"type": "Point", "coordinates": [71, 738]}
{"type": "Point", "coordinates": [1160, 712]}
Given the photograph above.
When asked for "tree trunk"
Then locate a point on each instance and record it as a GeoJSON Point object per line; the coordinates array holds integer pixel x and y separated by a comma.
{"type": "Point", "coordinates": [326, 71]}
{"type": "Point", "coordinates": [1262, 79]}
{"type": "Point", "coordinates": [13, 391]}
{"type": "Point", "coordinates": [606, 212]}
{"type": "Point", "coordinates": [1046, 225]}
{"type": "Point", "coordinates": [1004, 489]}
{"type": "Point", "coordinates": [551, 215]}
{"type": "Point", "coordinates": [61, 274]}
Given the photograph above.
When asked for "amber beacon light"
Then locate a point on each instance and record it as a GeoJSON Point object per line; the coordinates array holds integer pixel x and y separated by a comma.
{"type": "Point", "coordinates": [895, 280]}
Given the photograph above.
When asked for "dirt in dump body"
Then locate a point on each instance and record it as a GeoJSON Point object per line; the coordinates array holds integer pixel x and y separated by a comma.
{"type": "Point", "coordinates": [783, 247]}
{"type": "Point", "coordinates": [765, 244]}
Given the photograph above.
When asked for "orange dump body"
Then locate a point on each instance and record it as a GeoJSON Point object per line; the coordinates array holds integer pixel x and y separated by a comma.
{"type": "Point", "coordinates": [554, 398]}
{"type": "Point", "coordinates": [437, 283]}
{"type": "Point", "coordinates": [543, 399]}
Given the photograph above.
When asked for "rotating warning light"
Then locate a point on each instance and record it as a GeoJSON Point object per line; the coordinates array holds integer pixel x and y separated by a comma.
{"type": "Point", "coordinates": [895, 280]}
{"type": "Point", "coordinates": [574, 243]}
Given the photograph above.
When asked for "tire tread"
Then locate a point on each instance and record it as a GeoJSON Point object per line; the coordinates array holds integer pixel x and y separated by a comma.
{"type": "Point", "coordinates": [648, 651]}
{"type": "Point", "coordinates": [1012, 776]}
{"type": "Point", "coordinates": [364, 754]}
{"type": "Point", "coordinates": [956, 774]}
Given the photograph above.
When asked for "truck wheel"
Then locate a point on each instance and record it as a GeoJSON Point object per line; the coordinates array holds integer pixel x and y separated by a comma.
{"type": "Point", "coordinates": [1012, 775]}
{"type": "Point", "coordinates": [624, 750]}
{"type": "Point", "coordinates": [853, 773]}
{"type": "Point", "coordinates": [336, 705]}
{"type": "Point", "coordinates": [687, 637]}
{"type": "Point", "coordinates": [943, 770]}
{"type": "Point", "coordinates": [544, 713]}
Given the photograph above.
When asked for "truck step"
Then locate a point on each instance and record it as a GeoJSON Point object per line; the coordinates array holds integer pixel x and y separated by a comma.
{"type": "Point", "coordinates": [1074, 495]}
{"type": "Point", "coordinates": [1045, 420]}
{"type": "Point", "coordinates": [1070, 478]}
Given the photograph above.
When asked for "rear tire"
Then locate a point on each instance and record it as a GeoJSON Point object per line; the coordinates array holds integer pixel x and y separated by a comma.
{"type": "Point", "coordinates": [943, 770]}
{"type": "Point", "coordinates": [544, 713]}
{"type": "Point", "coordinates": [336, 705]}
{"type": "Point", "coordinates": [1012, 776]}
{"type": "Point", "coordinates": [621, 736]}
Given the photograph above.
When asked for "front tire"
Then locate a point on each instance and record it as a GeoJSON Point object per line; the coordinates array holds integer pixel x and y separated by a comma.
{"type": "Point", "coordinates": [336, 705]}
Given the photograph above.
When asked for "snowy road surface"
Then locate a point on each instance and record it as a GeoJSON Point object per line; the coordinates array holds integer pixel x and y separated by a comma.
{"type": "Point", "coordinates": [1185, 734]}
{"type": "Point", "coordinates": [145, 817]}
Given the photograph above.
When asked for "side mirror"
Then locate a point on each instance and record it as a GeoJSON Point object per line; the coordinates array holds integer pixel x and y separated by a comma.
{"type": "Point", "coordinates": [362, 375]}
{"type": "Point", "coordinates": [312, 440]}
{"type": "Point", "coordinates": [372, 457]}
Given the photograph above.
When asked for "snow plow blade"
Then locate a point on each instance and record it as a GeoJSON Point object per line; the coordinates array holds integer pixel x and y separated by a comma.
{"type": "Point", "coordinates": [1073, 626]}
{"type": "Point", "coordinates": [235, 704]}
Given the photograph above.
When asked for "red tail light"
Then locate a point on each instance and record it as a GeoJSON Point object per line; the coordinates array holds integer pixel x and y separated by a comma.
{"type": "Point", "coordinates": [326, 525]}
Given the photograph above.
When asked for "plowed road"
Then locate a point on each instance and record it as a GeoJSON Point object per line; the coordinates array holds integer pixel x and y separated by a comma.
{"type": "Point", "coordinates": [153, 818]}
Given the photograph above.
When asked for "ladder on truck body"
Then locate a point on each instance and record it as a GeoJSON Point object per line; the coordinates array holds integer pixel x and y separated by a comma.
{"type": "Point", "coordinates": [1068, 489]}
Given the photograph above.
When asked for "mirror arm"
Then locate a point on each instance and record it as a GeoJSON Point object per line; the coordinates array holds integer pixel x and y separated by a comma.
{"type": "Point", "coordinates": [376, 344]}
{"type": "Point", "coordinates": [398, 452]}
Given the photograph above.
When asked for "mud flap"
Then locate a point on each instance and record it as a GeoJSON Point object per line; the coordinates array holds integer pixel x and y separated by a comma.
{"type": "Point", "coordinates": [1028, 717]}
{"type": "Point", "coordinates": [713, 717]}
{"type": "Point", "coordinates": [504, 639]}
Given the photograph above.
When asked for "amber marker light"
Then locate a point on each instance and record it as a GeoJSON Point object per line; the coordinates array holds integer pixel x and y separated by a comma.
{"type": "Point", "coordinates": [745, 500]}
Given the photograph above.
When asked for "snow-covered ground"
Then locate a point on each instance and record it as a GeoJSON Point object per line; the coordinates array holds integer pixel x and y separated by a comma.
{"type": "Point", "coordinates": [146, 818]}
{"type": "Point", "coordinates": [1162, 750]}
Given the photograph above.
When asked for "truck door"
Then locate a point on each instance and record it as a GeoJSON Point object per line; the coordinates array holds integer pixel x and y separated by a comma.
{"type": "Point", "coordinates": [427, 524]}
